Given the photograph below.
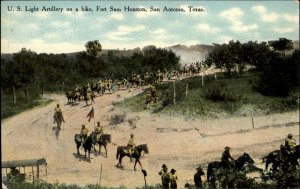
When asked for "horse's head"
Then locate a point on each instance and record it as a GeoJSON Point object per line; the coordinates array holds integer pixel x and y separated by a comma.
{"type": "Point", "coordinates": [247, 159]}
{"type": "Point", "coordinates": [145, 148]}
{"type": "Point", "coordinates": [108, 139]}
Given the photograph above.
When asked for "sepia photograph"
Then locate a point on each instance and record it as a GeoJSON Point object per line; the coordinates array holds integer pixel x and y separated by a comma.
{"type": "Point", "coordinates": [150, 94]}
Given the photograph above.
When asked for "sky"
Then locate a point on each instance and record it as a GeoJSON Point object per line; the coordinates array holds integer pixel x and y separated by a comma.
{"type": "Point", "coordinates": [68, 30]}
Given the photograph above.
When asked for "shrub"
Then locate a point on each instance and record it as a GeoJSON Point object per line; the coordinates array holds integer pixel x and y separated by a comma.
{"type": "Point", "coordinates": [218, 91]}
{"type": "Point", "coordinates": [117, 119]}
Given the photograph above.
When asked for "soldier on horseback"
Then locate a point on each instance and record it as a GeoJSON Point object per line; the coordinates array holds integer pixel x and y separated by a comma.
{"type": "Point", "coordinates": [84, 133]}
{"type": "Point", "coordinates": [131, 145]}
{"type": "Point", "coordinates": [290, 144]}
{"type": "Point", "coordinates": [76, 89]}
{"type": "Point", "coordinates": [58, 115]}
{"type": "Point", "coordinates": [99, 131]}
{"type": "Point", "coordinates": [147, 78]}
{"type": "Point", "coordinates": [226, 158]}
{"type": "Point", "coordinates": [290, 149]}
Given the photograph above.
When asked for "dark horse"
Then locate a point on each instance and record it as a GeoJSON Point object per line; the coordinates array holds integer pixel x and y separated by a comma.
{"type": "Point", "coordinates": [103, 141]}
{"type": "Point", "coordinates": [136, 155]}
{"type": "Point", "coordinates": [216, 165]}
{"type": "Point", "coordinates": [280, 157]}
{"type": "Point", "coordinates": [87, 145]}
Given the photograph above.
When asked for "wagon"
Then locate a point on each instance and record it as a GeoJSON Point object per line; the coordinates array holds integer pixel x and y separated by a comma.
{"type": "Point", "coordinates": [28, 166]}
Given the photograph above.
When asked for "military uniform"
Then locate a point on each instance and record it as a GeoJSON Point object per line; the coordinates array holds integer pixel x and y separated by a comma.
{"type": "Point", "coordinates": [153, 93]}
{"type": "Point", "coordinates": [84, 132]}
{"type": "Point", "coordinates": [173, 179]}
{"type": "Point", "coordinates": [99, 131]}
{"type": "Point", "coordinates": [148, 99]}
{"type": "Point", "coordinates": [131, 145]}
{"type": "Point", "coordinates": [58, 114]}
{"type": "Point", "coordinates": [290, 144]}
{"type": "Point", "coordinates": [226, 157]}
{"type": "Point", "coordinates": [165, 177]}
{"type": "Point", "coordinates": [197, 178]}
{"type": "Point", "coordinates": [76, 89]}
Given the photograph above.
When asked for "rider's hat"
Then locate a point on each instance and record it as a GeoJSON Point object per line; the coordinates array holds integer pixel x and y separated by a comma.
{"type": "Point", "coordinates": [199, 168]}
{"type": "Point", "coordinates": [83, 125]}
{"type": "Point", "coordinates": [131, 135]}
{"type": "Point", "coordinates": [173, 171]}
{"type": "Point", "coordinates": [227, 148]}
{"type": "Point", "coordinates": [164, 166]}
{"type": "Point", "coordinates": [290, 135]}
{"type": "Point", "coordinates": [57, 104]}
{"type": "Point", "coordinates": [98, 122]}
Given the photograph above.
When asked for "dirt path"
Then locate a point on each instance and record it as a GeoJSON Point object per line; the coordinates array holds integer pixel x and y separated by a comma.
{"type": "Point", "coordinates": [179, 143]}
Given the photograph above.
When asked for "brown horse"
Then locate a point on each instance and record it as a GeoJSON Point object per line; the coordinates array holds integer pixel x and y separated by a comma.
{"type": "Point", "coordinates": [136, 154]}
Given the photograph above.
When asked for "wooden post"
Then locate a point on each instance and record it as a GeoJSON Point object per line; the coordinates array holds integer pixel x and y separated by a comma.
{"type": "Point", "coordinates": [6, 171]}
{"type": "Point", "coordinates": [215, 75]}
{"type": "Point", "coordinates": [32, 173]}
{"type": "Point", "coordinates": [202, 80]}
{"type": "Point", "coordinates": [252, 123]}
{"type": "Point", "coordinates": [100, 175]}
{"type": "Point", "coordinates": [14, 95]}
{"type": "Point", "coordinates": [37, 171]}
{"type": "Point", "coordinates": [186, 90]}
{"type": "Point", "coordinates": [174, 96]}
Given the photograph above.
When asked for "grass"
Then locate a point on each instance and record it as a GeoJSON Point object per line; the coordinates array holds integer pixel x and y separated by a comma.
{"type": "Point", "coordinates": [9, 109]}
{"type": "Point", "coordinates": [240, 99]}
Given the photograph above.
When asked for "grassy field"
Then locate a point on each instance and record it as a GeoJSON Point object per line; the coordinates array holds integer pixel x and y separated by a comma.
{"type": "Point", "coordinates": [217, 98]}
{"type": "Point", "coordinates": [9, 109]}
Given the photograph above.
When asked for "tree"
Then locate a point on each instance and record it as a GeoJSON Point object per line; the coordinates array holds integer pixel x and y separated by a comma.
{"type": "Point", "coordinates": [282, 45]}
{"type": "Point", "coordinates": [10, 77]}
{"type": "Point", "coordinates": [26, 61]}
{"type": "Point", "coordinates": [93, 48]}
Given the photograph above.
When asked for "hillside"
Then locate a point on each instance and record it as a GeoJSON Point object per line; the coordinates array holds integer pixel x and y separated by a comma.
{"type": "Point", "coordinates": [180, 143]}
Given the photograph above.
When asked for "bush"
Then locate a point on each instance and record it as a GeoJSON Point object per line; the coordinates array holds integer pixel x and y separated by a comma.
{"type": "Point", "coordinates": [117, 119]}
{"type": "Point", "coordinates": [218, 91]}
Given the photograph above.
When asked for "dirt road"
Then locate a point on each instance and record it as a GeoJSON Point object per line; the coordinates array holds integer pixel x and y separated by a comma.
{"type": "Point", "coordinates": [181, 144]}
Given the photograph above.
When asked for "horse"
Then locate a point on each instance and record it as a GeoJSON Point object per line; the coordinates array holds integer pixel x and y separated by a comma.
{"type": "Point", "coordinates": [87, 145]}
{"type": "Point", "coordinates": [58, 119]}
{"type": "Point", "coordinates": [136, 154]}
{"type": "Point", "coordinates": [238, 165]}
{"type": "Point", "coordinates": [103, 141]}
{"type": "Point", "coordinates": [281, 157]}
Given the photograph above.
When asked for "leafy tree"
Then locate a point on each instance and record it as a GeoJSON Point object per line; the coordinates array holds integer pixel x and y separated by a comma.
{"type": "Point", "coordinates": [282, 45]}
{"type": "Point", "coordinates": [93, 48]}
{"type": "Point", "coordinates": [10, 77]}
{"type": "Point", "coordinates": [26, 61]}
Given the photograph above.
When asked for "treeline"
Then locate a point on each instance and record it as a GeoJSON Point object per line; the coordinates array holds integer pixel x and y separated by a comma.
{"type": "Point", "coordinates": [33, 73]}
{"type": "Point", "coordinates": [277, 69]}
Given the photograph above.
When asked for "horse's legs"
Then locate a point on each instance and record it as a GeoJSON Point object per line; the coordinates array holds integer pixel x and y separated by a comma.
{"type": "Point", "coordinates": [105, 151]}
{"type": "Point", "coordinates": [78, 153]}
{"type": "Point", "coordinates": [99, 148]}
{"type": "Point", "coordinates": [137, 160]}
